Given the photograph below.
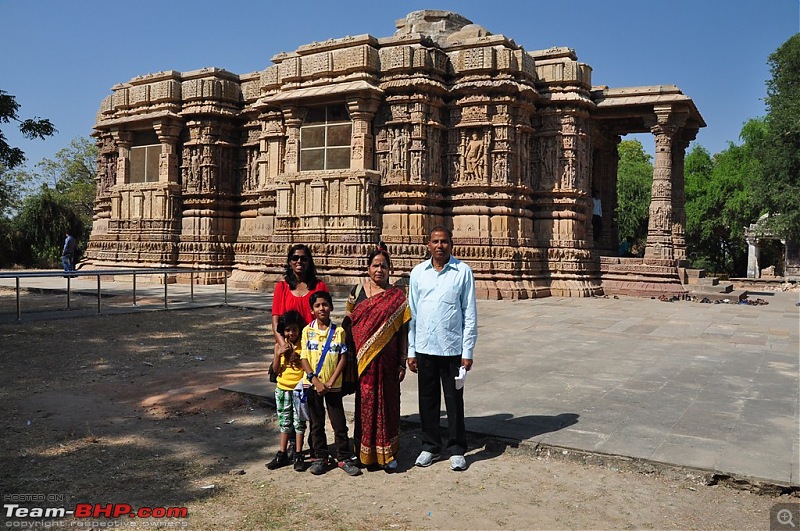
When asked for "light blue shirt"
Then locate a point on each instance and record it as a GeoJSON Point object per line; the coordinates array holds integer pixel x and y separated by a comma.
{"type": "Point", "coordinates": [444, 318]}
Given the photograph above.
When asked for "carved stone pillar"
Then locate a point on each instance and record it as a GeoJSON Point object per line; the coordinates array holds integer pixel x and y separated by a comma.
{"type": "Point", "coordinates": [168, 133]}
{"type": "Point", "coordinates": [753, 255]}
{"type": "Point", "coordinates": [123, 140]}
{"type": "Point", "coordinates": [362, 111]}
{"type": "Point", "coordinates": [272, 148]}
{"type": "Point", "coordinates": [679, 146]}
{"type": "Point", "coordinates": [408, 144]}
{"type": "Point", "coordinates": [659, 230]}
{"type": "Point", "coordinates": [292, 119]}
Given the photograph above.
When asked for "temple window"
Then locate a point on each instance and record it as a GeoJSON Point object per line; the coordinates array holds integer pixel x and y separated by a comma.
{"type": "Point", "coordinates": [325, 139]}
{"type": "Point", "coordinates": [145, 153]}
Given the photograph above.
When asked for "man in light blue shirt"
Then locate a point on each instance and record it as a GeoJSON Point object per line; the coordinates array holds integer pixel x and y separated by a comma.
{"type": "Point", "coordinates": [441, 340]}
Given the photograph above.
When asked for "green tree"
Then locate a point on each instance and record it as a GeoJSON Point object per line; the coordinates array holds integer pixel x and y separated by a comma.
{"type": "Point", "coordinates": [12, 186]}
{"type": "Point", "coordinates": [779, 149]}
{"type": "Point", "coordinates": [700, 246]}
{"type": "Point", "coordinates": [38, 231]}
{"type": "Point", "coordinates": [72, 174]}
{"type": "Point", "coordinates": [30, 128]}
{"type": "Point", "coordinates": [634, 183]}
{"type": "Point", "coordinates": [720, 202]}
{"type": "Point", "coordinates": [33, 220]}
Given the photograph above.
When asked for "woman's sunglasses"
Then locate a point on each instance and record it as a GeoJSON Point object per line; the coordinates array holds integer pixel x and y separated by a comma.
{"type": "Point", "coordinates": [298, 257]}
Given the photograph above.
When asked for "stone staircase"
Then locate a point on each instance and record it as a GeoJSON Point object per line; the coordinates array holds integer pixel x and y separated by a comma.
{"type": "Point", "coordinates": [699, 286]}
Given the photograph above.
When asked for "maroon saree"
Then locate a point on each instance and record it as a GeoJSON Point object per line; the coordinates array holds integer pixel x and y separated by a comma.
{"type": "Point", "coordinates": [377, 328]}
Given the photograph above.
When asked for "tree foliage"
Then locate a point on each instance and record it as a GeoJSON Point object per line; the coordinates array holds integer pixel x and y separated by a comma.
{"type": "Point", "coordinates": [13, 184]}
{"type": "Point", "coordinates": [72, 174]}
{"type": "Point", "coordinates": [778, 150]}
{"type": "Point", "coordinates": [720, 203]}
{"type": "Point", "coordinates": [40, 227]}
{"type": "Point", "coordinates": [37, 209]}
{"type": "Point", "coordinates": [634, 183]}
{"type": "Point", "coordinates": [31, 128]}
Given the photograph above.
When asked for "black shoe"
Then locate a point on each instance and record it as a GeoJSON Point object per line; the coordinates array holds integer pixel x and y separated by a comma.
{"type": "Point", "coordinates": [350, 468]}
{"type": "Point", "coordinates": [280, 460]}
{"type": "Point", "coordinates": [319, 467]}
{"type": "Point", "coordinates": [299, 463]}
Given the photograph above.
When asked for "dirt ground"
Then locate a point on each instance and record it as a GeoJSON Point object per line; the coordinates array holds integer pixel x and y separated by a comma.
{"type": "Point", "coordinates": [126, 409]}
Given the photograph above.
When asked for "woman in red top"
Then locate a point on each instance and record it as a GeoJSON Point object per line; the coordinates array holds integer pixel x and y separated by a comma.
{"type": "Point", "coordinates": [292, 293]}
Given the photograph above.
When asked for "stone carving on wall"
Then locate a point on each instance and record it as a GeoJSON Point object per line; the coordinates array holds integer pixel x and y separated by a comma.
{"type": "Point", "coordinates": [250, 172]}
{"type": "Point", "coordinates": [474, 153]}
{"type": "Point", "coordinates": [416, 164]}
{"type": "Point", "coordinates": [661, 214]}
{"type": "Point", "coordinates": [568, 174]}
{"type": "Point", "coordinates": [500, 168]}
{"type": "Point", "coordinates": [110, 177]}
{"type": "Point", "coordinates": [193, 182]}
{"type": "Point", "coordinates": [383, 164]}
{"type": "Point", "coordinates": [434, 158]}
{"type": "Point", "coordinates": [399, 148]}
{"type": "Point", "coordinates": [548, 157]}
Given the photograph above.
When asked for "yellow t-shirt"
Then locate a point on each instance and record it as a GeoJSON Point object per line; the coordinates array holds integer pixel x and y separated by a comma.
{"type": "Point", "coordinates": [290, 375]}
{"type": "Point", "coordinates": [312, 340]}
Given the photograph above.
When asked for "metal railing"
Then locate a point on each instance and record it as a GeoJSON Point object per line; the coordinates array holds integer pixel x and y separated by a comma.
{"type": "Point", "coordinates": [99, 273]}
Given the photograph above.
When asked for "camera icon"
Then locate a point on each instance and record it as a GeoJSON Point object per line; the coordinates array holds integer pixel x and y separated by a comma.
{"type": "Point", "coordinates": [784, 517]}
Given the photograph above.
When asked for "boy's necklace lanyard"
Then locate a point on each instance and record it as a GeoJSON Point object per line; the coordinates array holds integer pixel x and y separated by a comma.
{"type": "Point", "coordinates": [331, 329]}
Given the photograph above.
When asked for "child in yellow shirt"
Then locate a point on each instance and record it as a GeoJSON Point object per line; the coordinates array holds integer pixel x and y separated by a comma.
{"type": "Point", "coordinates": [288, 367]}
{"type": "Point", "coordinates": [323, 358]}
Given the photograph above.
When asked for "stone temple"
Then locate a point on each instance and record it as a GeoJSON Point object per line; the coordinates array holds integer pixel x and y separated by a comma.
{"type": "Point", "coordinates": [346, 142]}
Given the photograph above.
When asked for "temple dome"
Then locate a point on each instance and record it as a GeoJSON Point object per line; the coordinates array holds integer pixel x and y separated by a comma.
{"type": "Point", "coordinates": [443, 27]}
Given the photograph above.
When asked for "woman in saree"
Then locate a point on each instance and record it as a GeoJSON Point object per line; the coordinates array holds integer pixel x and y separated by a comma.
{"type": "Point", "coordinates": [379, 315]}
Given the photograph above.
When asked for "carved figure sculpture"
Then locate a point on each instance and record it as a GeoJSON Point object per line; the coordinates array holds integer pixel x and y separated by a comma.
{"type": "Point", "coordinates": [568, 175]}
{"type": "Point", "coordinates": [399, 149]}
{"type": "Point", "coordinates": [111, 172]}
{"type": "Point", "coordinates": [473, 154]}
{"type": "Point", "coordinates": [416, 165]}
{"type": "Point", "coordinates": [500, 168]}
{"type": "Point", "coordinates": [194, 169]}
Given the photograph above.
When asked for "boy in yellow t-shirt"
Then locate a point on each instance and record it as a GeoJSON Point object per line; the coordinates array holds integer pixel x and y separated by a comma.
{"type": "Point", "coordinates": [324, 340]}
{"type": "Point", "coordinates": [288, 367]}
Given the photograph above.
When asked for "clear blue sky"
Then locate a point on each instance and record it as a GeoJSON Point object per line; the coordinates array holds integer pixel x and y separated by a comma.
{"type": "Point", "coordinates": [61, 58]}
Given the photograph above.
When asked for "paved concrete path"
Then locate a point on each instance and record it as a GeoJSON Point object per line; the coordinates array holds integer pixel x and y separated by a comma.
{"type": "Point", "coordinates": [709, 386]}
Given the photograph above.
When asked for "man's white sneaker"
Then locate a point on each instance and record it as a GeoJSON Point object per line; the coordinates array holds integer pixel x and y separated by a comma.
{"type": "Point", "coordinates": [458, 463]}
{"type": "Point", "coordinates": [427, 458]}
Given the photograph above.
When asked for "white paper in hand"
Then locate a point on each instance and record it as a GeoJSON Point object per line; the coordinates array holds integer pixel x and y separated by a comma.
{"type": "Point", "coordinates": [461, 379]}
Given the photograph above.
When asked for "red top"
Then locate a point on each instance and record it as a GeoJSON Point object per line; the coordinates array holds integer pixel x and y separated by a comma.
{"type": "Point", "coordinates": [284, 300]}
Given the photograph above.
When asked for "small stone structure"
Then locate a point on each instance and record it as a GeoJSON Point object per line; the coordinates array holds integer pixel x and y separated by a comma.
{"type": "Point", "coordinates": [755, 235]}
{"type": "Point", "coordinates": [353, 140]}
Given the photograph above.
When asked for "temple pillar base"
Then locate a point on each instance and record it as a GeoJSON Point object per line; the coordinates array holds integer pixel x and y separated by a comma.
{"type": "Point", "coordinates": [575, 288]}
{"type": "Point", "coordinates": [634, 288]}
